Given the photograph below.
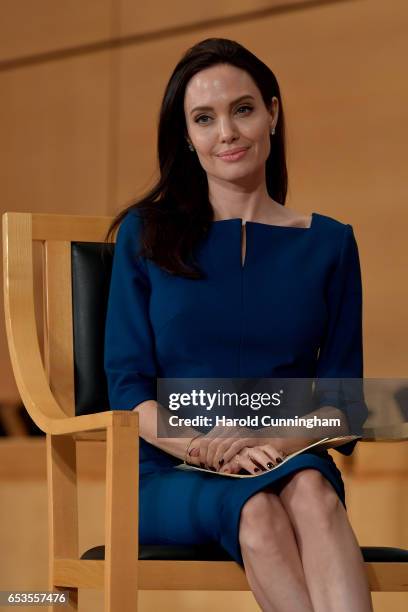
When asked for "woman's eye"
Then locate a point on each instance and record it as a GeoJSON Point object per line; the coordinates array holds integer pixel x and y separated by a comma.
{"type": "Point", "coordinates": [245, 106]}
{"type": "Point", "coordinates": [197, 120]}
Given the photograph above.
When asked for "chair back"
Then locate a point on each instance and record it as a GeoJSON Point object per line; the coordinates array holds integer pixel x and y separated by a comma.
{"type": "Point", "coordinates": [76, 271]}
{"type": "Point", "coordinates": [91, 265]}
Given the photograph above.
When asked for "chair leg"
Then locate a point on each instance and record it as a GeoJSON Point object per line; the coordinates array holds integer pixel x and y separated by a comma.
{"type": "Point", "coordinates": [122, 514]}
{"type": "Point", "coordinates": [62, 510]}
{"type": "Point", "coordinates": [72, 603]}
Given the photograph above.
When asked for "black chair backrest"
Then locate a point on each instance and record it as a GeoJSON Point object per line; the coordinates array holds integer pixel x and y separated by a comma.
{"type": "Point", "coordinates": [91, 273]}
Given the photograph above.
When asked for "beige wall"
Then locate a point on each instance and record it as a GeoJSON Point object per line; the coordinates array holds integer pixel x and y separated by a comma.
{"type": "Point", "coordinates": [79, 113]}
{"type": "Point", "coordinates": [78, 120]}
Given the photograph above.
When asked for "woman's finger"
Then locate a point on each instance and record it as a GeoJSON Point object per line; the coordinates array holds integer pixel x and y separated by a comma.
{"type": "Point", "coordinates": [264, 460]}
{"type": "Point", "coordinates": [204, 443]}
{"type": "Point", "coordinates": [193, 454]}
{"type": "Point", "coordinates": [213, 447]}
{"type": "Point", "coordinates": [241, 461]}
{"type": "Point", "coordinates": [254, 459]}
{"type": "Point", "coordinates": [273, 452]}
{"type": "Point", "coordinates": [235, 464]}
{"type": "Point", "coordinates": [241, 443]}
{"type": "Point", "coordinates": [207, 449]}
{"type": "Point", "coordinates": [215, 450]}
{"type": "Point", "coordinates": [231, 467]}
{"type": "Point", "coordinates": [206, 452]}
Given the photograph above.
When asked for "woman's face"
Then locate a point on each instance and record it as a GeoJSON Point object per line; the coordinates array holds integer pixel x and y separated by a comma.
{"type": "Point", "coordinates": [235, 117]}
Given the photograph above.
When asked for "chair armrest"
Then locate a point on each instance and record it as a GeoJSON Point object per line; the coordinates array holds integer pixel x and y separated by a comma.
{"type": "Point", "coordinates": [94, 422]}
{"type": "Point", "coordinates": [23, 345]}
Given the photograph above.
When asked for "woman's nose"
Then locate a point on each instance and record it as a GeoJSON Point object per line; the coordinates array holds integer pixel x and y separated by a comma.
{"type": "Point", "coordinates": [228, 130]}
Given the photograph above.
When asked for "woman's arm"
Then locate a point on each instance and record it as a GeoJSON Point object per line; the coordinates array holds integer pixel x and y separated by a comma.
{"type": "Point", "coordinates": [148, 418]}
{"type": "Point", "coordinates": [339, 373]}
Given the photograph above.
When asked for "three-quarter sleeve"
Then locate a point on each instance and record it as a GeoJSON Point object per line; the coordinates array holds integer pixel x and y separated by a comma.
{"type": "Point", "coordinates": [129, 357]}
{"type": "Point", "coordinates": [341, 350]}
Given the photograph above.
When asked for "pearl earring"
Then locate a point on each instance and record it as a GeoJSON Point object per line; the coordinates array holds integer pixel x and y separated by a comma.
{"type": "Point", "coordinates": [190, 146]}
{"type": "Point", "coordinates": [272, 131]}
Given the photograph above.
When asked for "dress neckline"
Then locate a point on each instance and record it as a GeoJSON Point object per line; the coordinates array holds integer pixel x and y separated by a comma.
{"type": "Point", "coordinates": [236, 220]}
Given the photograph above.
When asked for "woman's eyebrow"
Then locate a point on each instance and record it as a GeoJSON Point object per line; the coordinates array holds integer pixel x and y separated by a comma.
{"type": "Point", "coordinates": [201, 108]}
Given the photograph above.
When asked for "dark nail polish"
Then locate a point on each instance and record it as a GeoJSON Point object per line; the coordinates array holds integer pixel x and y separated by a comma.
{"type": "Point", "coordinates": [278, 460]}
{"type": "Point", "coordinates": [221, 461]}
{"type": "Point", "coordinates": [269, 465]}
{"type": "Point", "coordinates": [256, 469]}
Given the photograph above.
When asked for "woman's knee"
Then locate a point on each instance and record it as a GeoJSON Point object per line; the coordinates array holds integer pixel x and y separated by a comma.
{"type": "Point", "coordinates": [263, 521]}
{"type": "Point", "coordinates": [308, 493]}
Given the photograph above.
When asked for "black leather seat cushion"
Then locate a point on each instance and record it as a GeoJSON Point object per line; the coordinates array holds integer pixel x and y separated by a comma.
{"type": "Point", "coordinates": [91, 274]}
{"type": "Point", "coordinates": [214, 552]}
{"type": "Point", "coordinates": [157, 552]}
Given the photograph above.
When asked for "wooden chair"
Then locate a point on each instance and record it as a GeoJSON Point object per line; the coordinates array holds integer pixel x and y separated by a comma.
{"type": "Point", "coordinates": [65, 393]}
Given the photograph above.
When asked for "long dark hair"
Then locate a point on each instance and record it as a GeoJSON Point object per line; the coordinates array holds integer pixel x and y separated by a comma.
{"type": "Point", "coordinates": [176, 213]}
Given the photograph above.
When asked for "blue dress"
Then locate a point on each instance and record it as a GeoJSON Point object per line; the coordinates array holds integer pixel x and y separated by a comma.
{"type": "Point", "coordinates": [294, 309]}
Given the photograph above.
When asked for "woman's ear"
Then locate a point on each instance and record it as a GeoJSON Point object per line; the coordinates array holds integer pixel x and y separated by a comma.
{"type": "Point", "coordinates": [274, 110]}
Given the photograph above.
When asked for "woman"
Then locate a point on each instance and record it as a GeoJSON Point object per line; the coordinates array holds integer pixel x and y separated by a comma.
{"type": "Point", "coordinates": [213, 277]}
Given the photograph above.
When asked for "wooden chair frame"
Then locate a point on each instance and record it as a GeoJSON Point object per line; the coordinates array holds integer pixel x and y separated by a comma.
{"type": "Point", "coordinates": [47, 391]}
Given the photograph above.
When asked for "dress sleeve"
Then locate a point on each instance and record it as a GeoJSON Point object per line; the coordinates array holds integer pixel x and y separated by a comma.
{"type": "Point", "coordinates": [341, 350]}
{"type": "Point", "coordinates": [129, 358]}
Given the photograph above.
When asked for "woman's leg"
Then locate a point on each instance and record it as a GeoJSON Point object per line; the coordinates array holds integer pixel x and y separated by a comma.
{"type": "Point", "coordinates": [271, 557]}
{"type": "Point", "coordinates": [331, 557]}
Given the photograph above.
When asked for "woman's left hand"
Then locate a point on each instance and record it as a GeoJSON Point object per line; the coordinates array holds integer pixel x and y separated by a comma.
{"type": "Point", "coordinates": [272, 450]}
{"type": "Point", "coordinates": [254, 459]}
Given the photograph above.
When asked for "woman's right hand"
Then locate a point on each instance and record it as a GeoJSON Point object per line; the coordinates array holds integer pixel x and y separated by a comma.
{"type": "Point", "coordinates": [212, 451]}
{"type": "Point", "coordinates": [207, 450]}
{"type": "Point", "coordinates": [254, 460]}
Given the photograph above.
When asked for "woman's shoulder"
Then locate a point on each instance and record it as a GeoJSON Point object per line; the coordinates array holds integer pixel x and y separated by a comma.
{"type": "Point", "coordinates": [129, 228]}
{"type": "Point", "coordinates": [128, 238]}
{"type": "Point", "coordinates": [333, 229]}
{"type": "Point", "coordinates": [337, 238]}
{"type": "Point", "coordinates": [132, 217]}
{"type": "Point", "coordinates": [332, 223]}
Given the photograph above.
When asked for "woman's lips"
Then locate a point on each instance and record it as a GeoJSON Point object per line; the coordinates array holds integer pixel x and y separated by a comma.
{"type": "Point", "coordinates": [234, 156]}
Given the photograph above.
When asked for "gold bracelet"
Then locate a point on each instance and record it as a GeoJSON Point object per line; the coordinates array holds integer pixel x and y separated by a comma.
{"type": "Point", "coordinates": [188, 446]}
